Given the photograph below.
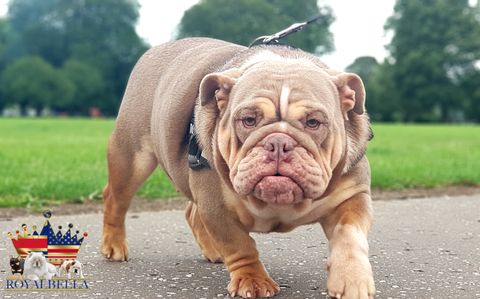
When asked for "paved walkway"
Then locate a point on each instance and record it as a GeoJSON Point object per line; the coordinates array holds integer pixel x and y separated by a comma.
{"type": "Point", "coordinates": [422, 248]}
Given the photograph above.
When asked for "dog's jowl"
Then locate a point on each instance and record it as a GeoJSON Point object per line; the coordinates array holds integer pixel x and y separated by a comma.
{"type": "Point", "coordinates": [284, 137]}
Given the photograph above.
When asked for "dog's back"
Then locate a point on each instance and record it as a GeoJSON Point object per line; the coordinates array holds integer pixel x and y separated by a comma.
{"type": "Point", "coordinates": [152, 121]}
{"type": "Point", "coordinates": [159, 100]}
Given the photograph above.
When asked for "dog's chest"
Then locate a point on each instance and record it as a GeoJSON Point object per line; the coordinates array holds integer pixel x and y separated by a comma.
{"type": "Point", "coordinates": [278, 218]}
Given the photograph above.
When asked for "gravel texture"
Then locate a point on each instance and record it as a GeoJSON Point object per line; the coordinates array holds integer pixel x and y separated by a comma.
{"type": "Point", "coordinates": [419, 248]}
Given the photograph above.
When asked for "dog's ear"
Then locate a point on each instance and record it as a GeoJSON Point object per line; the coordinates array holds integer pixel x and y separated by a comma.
{"type": "Point", "coordinates": [73, 263]}
{"type": "Point", "coordinates": [352, 92]}
{"type": "Point", "coordinates": [352, 101]}
{"type": "Point", "coordinates": [67, 268]}
{"type": "Point", "coordinates": [218, 86]}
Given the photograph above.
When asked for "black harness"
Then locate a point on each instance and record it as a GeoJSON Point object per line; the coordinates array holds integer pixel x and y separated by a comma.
{"type": "Point", "coordinates": [195, 159]}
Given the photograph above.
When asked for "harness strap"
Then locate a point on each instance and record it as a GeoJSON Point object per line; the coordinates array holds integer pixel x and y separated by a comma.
{"type": "Point", "coordinates": [195, 159]}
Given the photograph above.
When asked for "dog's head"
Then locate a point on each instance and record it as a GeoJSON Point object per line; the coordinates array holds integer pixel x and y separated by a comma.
{"type": "Point", "coordinates": [73, 266]}
{"type": "Point", "coordinates": [283, 126]}
{"type": "Point", "coordinates": [36, 260]}
{"type": "Point", "coordinates": [16, 262]}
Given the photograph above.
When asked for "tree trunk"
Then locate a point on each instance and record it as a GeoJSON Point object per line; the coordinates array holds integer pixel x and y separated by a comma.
{"type": "Point", "coordinates": [23, 109]}
{"type": "Point", "coordinates": [38, 111]}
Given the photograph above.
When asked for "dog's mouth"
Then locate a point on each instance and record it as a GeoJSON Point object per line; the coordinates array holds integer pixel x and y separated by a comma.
{"type": "Point", "coordinates": [278, 189]}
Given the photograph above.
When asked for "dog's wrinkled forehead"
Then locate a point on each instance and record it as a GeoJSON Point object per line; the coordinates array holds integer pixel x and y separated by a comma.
{"type": "Point", "coordinates": [284, 81]}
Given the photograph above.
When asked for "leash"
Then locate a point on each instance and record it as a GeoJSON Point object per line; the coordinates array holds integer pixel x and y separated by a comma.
{"type": "Point", "coordinates": [274, 38]}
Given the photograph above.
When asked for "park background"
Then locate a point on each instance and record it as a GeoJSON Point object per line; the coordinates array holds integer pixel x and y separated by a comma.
{"type": "Point", "coordinates": [64, 67]}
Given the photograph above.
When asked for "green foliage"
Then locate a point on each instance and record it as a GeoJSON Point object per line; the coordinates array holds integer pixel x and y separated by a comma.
{"type": "Point", "coordinates": [3, 44]}
{"type": "Point", "coordinates": [3, 35]}
{"type": "Point", "coordinates": [433, 53]}
{"type": "Point", "coordinates": [30, 81]}
{"type": "Point", "coordinates": [90, 87]}
{"type": "Point", "coordinates": [35, 165]}
{"type": "Point", "coordinates": [367, 68]}
{"type": "Point", "coordinates": [96, 33]}
{"type": "Point", "coordinates": [242, 21]}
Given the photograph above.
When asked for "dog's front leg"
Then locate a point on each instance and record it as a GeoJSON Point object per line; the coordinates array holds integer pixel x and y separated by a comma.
{"type": "Point", "coordinates": [350, 272]}
{"type": "Point", "coordinates": [248, 277]}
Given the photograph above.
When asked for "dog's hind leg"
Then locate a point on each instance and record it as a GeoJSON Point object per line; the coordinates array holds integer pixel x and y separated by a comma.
{"type": "Point", "coordinates": [204, 240]}
{"type": "Point", "coordinates": [129, 165]}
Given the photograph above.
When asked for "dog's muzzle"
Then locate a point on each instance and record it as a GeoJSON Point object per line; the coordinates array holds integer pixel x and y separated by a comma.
{"type": "Point", "coordinates": [278, 188]}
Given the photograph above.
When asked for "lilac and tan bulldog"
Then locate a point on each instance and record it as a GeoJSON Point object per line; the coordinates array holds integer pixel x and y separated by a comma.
{"type": "Point", "coordinates": [285, 138]}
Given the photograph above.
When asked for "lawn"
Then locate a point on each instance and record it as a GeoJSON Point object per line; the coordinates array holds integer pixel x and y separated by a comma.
{"type": "Point", "coordinates": [64, 159]}
{"type": "Point", "coordinates": [59, 159]}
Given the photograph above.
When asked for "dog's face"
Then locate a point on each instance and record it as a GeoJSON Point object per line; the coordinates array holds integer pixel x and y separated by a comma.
{"type": "Point", "coordinates": [15, 263]}
{"type": "Point", "coordinates": [74, 267]}
{"type": "Point", "coordinates": [36, 260]}
{"type": "Point", "coordinates": [282, 126]}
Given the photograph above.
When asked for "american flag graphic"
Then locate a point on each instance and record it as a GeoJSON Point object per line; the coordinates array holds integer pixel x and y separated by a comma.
{"type": "Point", "coordinates": [57, 247]}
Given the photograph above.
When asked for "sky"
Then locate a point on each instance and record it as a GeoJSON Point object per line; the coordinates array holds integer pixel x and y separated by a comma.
{"type": "Point", "coordinates": [357, 30]}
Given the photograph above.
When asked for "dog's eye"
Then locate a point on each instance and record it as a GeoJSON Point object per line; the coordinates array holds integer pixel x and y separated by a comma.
{"type": "Point", "coordinates": [312, 123]}
{"type": "Point", "coordinates": [249, 121]}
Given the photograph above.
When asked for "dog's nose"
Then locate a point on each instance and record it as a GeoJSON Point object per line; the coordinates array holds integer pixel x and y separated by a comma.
{"type": "Point", "coordinates": [279, 146]}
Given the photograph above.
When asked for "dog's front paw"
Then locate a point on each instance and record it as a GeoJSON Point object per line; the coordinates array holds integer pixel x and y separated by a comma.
{"type": "Point", "coordinates": [114, 245]}
{"type": "Point", "coordinates": [350, 278]}
{"type": "Point", "coordinates": [249, 282]}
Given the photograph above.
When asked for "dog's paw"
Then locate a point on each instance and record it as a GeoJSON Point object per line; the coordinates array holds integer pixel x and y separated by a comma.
{"type": "Point", "coordinates": [252, 285]}
{"type": "Point", "coordinates": [114, 246]}
{"type": "Point", "coordinates": [350, 278]}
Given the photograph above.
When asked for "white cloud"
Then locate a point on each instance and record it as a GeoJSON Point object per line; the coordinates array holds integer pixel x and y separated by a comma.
{"type": "Point", "coordinates": [159, 19]}
{"type": "Point", "coordinates": [3, 7]}
{"type": "Point", "coordinates": [358, 30]}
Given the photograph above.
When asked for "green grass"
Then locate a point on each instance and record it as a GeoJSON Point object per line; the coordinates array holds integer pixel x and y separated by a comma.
{"type": "Point", "coordinates": [58, 160]}
{"type": "Point", "coordinates": [53, 160]}
{"type": "Point", "coordinates": [406, 156]}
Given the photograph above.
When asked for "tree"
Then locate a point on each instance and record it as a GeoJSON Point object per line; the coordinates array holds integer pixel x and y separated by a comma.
{"type": "Point", "coordinates": [242, 21]}
{"type": "Point", "coordinates": [434, 49]}
{"type": "Point", "coordinates": [32, 82]}
{"type": "Point", "coordinates": [89, 86]}
{"type": "Point", "coordinates": [3, 43]}
{"type": "Point", "coordinates": [366, 67]}
{"type": "Point", "coordinates": [3, 36]}
{"type": "Point", "coordinates": [381, 104]}
{"type": "Point", "coordinates": [99, 33]}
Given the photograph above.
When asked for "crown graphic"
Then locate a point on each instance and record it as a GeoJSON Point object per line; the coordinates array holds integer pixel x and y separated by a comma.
{"type": "Point", "coordinates": [57, 247]}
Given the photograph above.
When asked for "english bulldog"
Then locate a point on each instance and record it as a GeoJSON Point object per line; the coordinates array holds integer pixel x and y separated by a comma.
{"type": "Point", "coordinates": [284, 137]}
{"type": "Point", "coordinates": [71, 267]}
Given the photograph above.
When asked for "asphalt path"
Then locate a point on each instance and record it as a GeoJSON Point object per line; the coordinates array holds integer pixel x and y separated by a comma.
{"type": "Point", "coordinates": [419, 248]}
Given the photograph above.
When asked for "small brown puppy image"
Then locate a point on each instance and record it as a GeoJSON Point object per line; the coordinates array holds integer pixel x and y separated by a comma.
{"type": "Point", "coordinates": [285, 140]}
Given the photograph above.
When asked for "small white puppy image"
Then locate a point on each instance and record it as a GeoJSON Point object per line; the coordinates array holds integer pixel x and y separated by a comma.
{"type": "Point", "coordinates": [71, 267]}
{"type": "Point", "coordinates": [36, 267]}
